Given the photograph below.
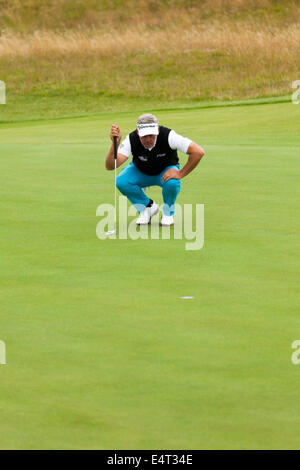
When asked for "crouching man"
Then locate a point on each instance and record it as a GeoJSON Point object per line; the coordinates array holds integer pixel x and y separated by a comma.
{"type": "Point", "coordinates": [154, 163]}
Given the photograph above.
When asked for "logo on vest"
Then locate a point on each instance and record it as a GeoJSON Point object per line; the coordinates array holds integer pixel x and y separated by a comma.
{"type": "Point", "coordinates": [144, 159]}
{"type": "Point", "coordinates": [161, 154]}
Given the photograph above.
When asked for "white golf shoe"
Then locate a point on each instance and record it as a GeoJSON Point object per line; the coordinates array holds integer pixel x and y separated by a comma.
{"type": "Point", "coordinates": [147, 214]}
{"type": "Point", "coordinates": [167, 220]}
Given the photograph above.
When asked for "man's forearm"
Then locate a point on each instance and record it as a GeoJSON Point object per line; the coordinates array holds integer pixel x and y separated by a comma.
{"type": "Point", "coordinates": [109, 162]}
{"type": "Point", "coordinates": [192, 162]}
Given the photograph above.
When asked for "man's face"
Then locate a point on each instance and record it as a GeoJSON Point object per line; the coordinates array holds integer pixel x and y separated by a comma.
{"type": "Point", "coordinates": [148, 140]}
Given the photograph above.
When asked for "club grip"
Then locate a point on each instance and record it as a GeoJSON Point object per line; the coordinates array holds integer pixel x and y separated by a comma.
{"type": "Point", "coordinates": [115, 147]}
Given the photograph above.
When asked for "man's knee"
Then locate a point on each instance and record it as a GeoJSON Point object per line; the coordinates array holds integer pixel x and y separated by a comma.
{"type": "Point", "coordinates": [173, 184]}
{"type": "Point", "coordinates": [121, 183]}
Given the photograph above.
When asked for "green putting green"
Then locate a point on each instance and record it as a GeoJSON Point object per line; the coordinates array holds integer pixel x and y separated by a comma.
{"type": "Point", "coordinates": [101, 351]}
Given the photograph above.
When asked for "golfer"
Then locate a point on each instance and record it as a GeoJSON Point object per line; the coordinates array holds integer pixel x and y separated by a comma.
{"type": "Point", "coordinates": [154, 163]}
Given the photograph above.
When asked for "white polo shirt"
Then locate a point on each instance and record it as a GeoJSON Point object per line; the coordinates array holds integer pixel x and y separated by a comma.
{"type": "Point", "coordinates": [176, 142]}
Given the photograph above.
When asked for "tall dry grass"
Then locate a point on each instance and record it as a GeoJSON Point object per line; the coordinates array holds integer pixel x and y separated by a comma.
{"type": "Point", "coordinates": [179, 57]}
{"type": "Point", "coordinates": [266, 44]}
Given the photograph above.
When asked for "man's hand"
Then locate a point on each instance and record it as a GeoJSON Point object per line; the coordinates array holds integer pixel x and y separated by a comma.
{"type": "Point", "coordinates": [115, 132]}
{"type": "Point", "coordinates": [109, 161]}
{"type": "Point", "coordinates": [171, 173]}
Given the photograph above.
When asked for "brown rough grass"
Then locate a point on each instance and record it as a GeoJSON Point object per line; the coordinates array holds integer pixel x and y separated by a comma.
{"type": "Point", "coordinates": [240, 41]}
{"type": "Point", "coordinates": [172, 56]}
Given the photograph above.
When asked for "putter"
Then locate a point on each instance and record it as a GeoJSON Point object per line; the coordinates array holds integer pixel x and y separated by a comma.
{"type": "Point", "coordinates": [112, 232]}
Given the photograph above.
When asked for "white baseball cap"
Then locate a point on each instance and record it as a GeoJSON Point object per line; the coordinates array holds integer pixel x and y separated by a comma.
{"type": "Point", "coordinates": [148, 128]}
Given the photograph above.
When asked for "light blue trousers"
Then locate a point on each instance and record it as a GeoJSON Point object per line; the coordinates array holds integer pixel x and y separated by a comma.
{"type": "Point", "coordinates": [131, 181]}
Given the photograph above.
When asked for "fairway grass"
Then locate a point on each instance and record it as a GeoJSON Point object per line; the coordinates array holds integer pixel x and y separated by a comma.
{"type": "Point", "coordinates": [101, 351]}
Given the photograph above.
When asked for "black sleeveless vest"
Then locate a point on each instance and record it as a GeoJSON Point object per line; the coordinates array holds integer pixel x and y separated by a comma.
{"type": "Point", "coordinates": [153, 162]}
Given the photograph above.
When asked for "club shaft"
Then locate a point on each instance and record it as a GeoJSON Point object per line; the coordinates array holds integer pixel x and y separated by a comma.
{"type": "Point", "coordinates": [115, 158]}
{"type": "Point", "coordinates": [115, 193]}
